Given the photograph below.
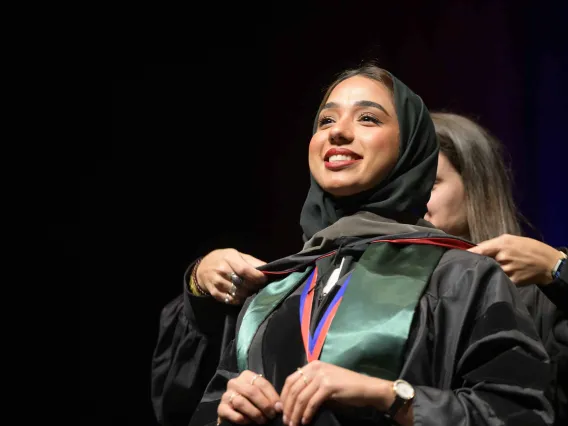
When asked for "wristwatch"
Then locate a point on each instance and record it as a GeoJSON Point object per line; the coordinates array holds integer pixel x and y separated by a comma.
{"type": "Point", "coordinates": [403, 394]}
{"type": "Point", "coordinates": [561, 264]}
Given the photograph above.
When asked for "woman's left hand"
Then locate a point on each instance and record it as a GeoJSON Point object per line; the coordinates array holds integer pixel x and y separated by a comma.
{"type": "Point", "coordinates": [307, 389]}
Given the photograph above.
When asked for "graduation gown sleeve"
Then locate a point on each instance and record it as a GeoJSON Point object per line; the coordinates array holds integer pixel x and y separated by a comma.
{"type": "Point", "coordinates": [193, 332]}
{"type": "Point", "coordinates": [490, 366]}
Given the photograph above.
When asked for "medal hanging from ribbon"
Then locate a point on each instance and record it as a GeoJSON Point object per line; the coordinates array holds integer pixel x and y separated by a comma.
{"type": "Point", "coordinates": [314, 344]}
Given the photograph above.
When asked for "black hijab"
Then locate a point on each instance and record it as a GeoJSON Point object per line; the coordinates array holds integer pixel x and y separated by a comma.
{"type": "Point", "coordinates": [403, 194]}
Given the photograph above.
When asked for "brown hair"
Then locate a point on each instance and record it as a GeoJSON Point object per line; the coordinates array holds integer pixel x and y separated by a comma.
{"type": "Point", "coordinates": [478, 158]}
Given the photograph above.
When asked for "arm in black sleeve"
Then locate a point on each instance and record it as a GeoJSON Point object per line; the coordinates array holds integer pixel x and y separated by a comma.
{"type": "Point", "coordinates": [552, 327]}
{"type": "Point", "coordinates": [495, 370]}
{"type": "Point", "coordinates": [192, 336]}
{"type": "Point", "coordinates": [557, 347]}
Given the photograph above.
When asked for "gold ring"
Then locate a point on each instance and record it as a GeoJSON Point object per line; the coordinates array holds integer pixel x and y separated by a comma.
{"type": "Point", "coordinates": [303, 376]}
{"type": "Point", "coordinates": [256, 376]}
{"type": "Point", "coordinates": [231, 398]}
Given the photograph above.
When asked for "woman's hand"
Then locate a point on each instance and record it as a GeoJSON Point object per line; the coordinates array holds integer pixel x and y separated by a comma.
{"type": "Point", "coordinates": [307, 389]}
{"type": "Point", "coordinates": [524, 260]}
{"type": "Point", "coordinates": [214, 275]}
{"type": "Point", "coordinates": [249, 398]}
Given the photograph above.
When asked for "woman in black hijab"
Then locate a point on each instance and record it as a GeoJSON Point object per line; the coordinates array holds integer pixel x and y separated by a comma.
{"type": "Point", "coordinates": [380, 318]}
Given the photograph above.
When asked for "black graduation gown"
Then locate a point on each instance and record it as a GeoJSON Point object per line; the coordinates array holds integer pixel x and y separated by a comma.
{"type": "Point", "coordinates": [193, 330]}
{"type": "Point", "coordinates": [473, 355]}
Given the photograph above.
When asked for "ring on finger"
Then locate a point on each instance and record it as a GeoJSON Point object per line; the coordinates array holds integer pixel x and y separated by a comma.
{"type": "Point", "coordinates": [303, 375]}
{"type": "Point", "coordinates": [233, 290]}
{"type": "Point", "coordinates": [227, 298]}
{"type": "Point", "coordinates": [231, 398]}
{"type": "Point", "coordinates": [236, 280]}
{"type": "Point", "coordinates": [256, 376]}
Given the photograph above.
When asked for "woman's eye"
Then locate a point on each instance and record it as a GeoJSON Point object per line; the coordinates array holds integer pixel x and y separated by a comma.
{"type": "Point", "coordinates": [325, 120]}
{"type": "Point", "coordinates": [370, 119]}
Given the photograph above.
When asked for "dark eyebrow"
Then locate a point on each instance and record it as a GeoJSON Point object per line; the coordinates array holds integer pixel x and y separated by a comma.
{"type": "Point", "coordinates": [372, 104]}
{"type": "Point", "coordinates": [358, 103]}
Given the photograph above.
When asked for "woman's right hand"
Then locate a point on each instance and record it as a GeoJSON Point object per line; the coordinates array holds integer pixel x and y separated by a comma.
{"type": "Point", "coordinates": [214, 275]}
{"type": "Point", "coordinates": [524, 260]}
{"type": "Point", "coordinates": [249, 398]}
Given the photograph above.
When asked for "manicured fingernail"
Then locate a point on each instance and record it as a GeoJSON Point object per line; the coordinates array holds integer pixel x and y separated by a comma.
{"type": "Point", "coordinates": [285, 419]}
{"type": "Point", "coordinates": [278, 406]}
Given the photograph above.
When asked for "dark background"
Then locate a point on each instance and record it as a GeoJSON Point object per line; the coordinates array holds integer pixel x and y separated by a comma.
{"type": "Point", "coordinates": [210, 128]}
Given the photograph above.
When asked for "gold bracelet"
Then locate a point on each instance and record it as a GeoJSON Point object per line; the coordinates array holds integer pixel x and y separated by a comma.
{"type": "Point", "coordinates": [192, 287]}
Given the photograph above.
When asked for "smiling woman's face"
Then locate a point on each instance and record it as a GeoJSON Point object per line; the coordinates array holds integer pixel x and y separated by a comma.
{"type": "Point", "coordinates": [357, 140]}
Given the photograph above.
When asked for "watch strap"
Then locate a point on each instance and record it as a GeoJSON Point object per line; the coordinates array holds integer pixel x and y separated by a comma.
{"type": "Point", "coordinates": [396, 406]}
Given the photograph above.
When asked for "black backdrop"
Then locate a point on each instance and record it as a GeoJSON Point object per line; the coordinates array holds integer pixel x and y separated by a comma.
{"type": "Point", "coordinates": [210, 128]}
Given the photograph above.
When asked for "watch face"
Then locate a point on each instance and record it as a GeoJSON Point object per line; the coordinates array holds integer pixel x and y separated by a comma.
{"type": "Point", "coordinates": [404, 390]}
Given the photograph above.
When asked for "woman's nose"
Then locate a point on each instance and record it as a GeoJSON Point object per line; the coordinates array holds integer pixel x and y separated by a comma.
{"type": "Point", "coordinates": [340, 133]}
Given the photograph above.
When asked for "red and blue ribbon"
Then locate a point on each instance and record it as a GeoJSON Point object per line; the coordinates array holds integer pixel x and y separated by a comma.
{"type": "Point", "coordinates": [314, 344]}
